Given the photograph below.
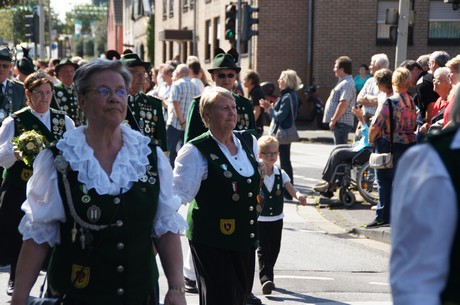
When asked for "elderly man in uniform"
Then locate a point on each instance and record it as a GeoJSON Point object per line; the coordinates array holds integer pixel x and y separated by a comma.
{"type": "Point", "coordinates": [65, 97]}
{"type": "Point", "coordinates": [224, 74]}
{"type": "Point", "coordinates": [144, 112]}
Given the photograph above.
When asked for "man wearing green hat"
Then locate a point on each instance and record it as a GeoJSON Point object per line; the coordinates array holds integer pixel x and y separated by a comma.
{"type": "Point", "coordinates": [25, 66]}
{"type": "Point", "coordinates": [224, 74]}
{"type": "Point", "coordinates": [145, 113]}
{"type": "Point", "coordinates": [12, 95]}
{"type": "Point", "coordinates": [65, 97]}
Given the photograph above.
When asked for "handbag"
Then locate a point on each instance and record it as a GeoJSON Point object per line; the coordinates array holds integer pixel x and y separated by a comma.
{"type": "Point", "coordinates": [384, 160]}
{"type": "Point", "coordinates": [288, 135]}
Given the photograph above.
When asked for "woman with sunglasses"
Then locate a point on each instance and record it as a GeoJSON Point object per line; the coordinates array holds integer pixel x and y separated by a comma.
{"type": "Point", "coordinates": [107, 204]}
{"type": "Point", "coordinates": [51, 124]}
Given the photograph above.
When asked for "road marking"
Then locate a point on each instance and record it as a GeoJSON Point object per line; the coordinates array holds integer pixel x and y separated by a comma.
{"type": "Point", "coordinates": [379, 283]}
{"type": "Point", "coordinates": [299, 277]}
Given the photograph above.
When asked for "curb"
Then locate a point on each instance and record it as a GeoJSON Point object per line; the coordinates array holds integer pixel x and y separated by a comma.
{"type": "Point", "coordinates": [374, 234]}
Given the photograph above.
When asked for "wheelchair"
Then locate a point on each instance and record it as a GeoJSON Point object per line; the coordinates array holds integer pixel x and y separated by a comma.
{"type": "Point", "coordinates": [352, 176]}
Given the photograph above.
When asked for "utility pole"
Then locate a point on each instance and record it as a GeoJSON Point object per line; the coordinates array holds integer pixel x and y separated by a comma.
{"type": "Point", "coordinates": [41, 28]}
{"type": "Point", "coordinates": [238, 27]}
{"type": "Point", "coordinates": [403, 32]}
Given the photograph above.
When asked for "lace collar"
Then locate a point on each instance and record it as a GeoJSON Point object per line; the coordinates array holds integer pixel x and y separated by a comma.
{"type": "Point", "coordinates": [130, 163]}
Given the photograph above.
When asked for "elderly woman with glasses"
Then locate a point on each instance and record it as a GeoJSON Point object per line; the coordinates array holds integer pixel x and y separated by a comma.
{"type": "Point", "coordinates": [51, 124]}
{"type": "Point", "coordinates": [96, 198]}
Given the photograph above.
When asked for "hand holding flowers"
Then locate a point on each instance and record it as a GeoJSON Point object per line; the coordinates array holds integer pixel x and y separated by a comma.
{"type": "Point", "coordinates": [29, 144]}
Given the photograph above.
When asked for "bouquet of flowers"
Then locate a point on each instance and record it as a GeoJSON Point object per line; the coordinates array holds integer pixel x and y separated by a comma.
{"type": "Point", "coordinates": [29, 144]}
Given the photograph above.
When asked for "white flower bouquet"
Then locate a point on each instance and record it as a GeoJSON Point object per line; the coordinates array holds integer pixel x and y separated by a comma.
{"type": "Point", "coordinates": [29, 144]}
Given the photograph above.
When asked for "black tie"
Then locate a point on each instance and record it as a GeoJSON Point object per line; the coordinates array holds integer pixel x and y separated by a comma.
{"type": "Point", "coordinates": [1, 93]}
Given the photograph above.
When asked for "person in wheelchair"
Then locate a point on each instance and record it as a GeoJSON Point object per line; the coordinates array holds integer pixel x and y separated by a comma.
{"type": "Point", "coordinates": [343, 154]}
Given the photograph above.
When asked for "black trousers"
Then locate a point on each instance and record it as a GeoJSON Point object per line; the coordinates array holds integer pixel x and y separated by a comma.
{"type": "Point", "coordinates": [223, 277]}
{"type": "Point", "coordinates": [269, 247]}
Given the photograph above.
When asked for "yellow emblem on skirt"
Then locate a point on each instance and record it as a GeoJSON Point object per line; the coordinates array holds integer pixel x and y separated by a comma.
{"type": "Point", "coordinates": [81, 274]}
{"type": "Point", "coordinates": [26, 174]}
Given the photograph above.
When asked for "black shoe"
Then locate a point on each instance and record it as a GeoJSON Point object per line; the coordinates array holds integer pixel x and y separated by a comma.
{"type": "Point", "coordinates": [190, 285]}
{"type": "Point", "coordinates": [252, 299]}
{"type": "Point", "coordinates": [267, 287]}
{"type": "Point", "coordinates": [10, 288]}
{"type": "Point", "coordinates": [377, 224]}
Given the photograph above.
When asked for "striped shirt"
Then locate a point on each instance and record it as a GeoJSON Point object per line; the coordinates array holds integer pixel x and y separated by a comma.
{"type": "Point", "coordinates": [183, 91]}
{"type": "Point", "coordinates": [344, 90]}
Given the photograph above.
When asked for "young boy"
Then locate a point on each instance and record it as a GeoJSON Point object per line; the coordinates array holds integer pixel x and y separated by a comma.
{"type": "Point", "coordinates": [270, 221]}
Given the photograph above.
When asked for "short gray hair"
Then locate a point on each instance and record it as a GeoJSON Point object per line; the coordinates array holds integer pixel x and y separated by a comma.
{"type": "Point", "coordinates": [440, 57]}
{"type": "Point", "coordinates": [208, 98]}
{"type": "Point", "coordinates": [381, 60]}
{"type": "Point", "coordinates": [83, 74]}
{"type": "Point", "coordinates": [442, 72]}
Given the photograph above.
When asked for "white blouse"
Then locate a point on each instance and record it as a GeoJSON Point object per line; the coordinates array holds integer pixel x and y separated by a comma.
{"type": "Point", "coordinates": [191, 167]}
{"type": "Point", "coordinates": [44, 207]}
{"type": "Point", "coordinates": [7, 157]}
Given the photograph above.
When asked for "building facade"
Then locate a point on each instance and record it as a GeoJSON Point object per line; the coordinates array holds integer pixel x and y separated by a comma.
{"type": "Point", "coordinates": [304, 35]}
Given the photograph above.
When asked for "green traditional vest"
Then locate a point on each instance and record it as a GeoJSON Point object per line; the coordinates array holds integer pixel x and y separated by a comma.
{"type": "Point", "coordinates": [223, 214]}
{"type": "Point", "coordinates": [24, 121]}
{"type": "Point", "coordinates": [145, 115]}
{"type": "Point", "coordinates": [245, 117]}
{"type": "Point", "coordinates": [273, 201]}
{"type": "Point", "coordinates": [65, 99]}
{"type": "Point", "coordinates": [441, 144]}
{"type": "Point", "coordinates": [117, 264]}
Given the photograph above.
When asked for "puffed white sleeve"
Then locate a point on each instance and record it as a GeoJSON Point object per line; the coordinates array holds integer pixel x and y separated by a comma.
{"type": "Point", "coordinates": [7, 157]}
{"type": "Point", "coordinates": [167, 219]}
{"type": "Point", "coordinates": [43, 207]}
{"type": "Point", "coordinates": [190, 168]}
{"type": "Point", "coordinates": [424, 218]}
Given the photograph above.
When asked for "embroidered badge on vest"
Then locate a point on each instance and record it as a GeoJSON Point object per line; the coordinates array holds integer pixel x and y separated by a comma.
{"type": "Point", "coordinates": [80, 276]}
{"type": "Point", "coordinates": [227, 226]}
{"type": "Point", "coordinates": [26, 174]}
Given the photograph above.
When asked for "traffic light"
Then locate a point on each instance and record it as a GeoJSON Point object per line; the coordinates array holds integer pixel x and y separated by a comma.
{"type": "Point", "coordinates": [247, 20]}
{"type": "Point", "coordinates": [32, 27]}
{"type": "Point", "coordinates": [230, 22]}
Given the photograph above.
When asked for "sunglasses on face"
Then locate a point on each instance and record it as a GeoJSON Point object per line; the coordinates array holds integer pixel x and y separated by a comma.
{"type": "Point", "coordinates": [228, 75]}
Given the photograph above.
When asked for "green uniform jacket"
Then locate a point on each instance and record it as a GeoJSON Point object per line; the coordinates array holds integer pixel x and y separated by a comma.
{"type": "Point", "coordinates": [65, 99]}
{"type": "Point", "coordinates": [145, 114]}
{"type": "Point", "coordinates": [223, 214]}
{"type": "Point", "coordinates": [117, 264]}
{"type": "Point", "coordinates": [14, 99]}
{"type": "Point", "coordinates": [195, 126]}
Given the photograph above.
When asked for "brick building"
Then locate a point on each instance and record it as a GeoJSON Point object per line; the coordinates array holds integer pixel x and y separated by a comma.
{"type": "Point", "coordinates": [304, 35]}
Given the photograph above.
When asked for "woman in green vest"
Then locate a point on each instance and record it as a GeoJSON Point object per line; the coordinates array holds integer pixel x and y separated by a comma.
{"type": "Point", "coordinates": [51, 124]}
{"type": "Point", "coordinates": [217, 173]}
{"type": "Point", "coordinates": [96, 199]}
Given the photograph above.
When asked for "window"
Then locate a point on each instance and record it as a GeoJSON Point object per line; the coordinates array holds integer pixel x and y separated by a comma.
{"type": "Point", "coordinates": [207, 41]}
{"type": "Point", "coordinates": [185, 6]}
{"type": "Point", "coordinates": [387, 33]}
{"type": "Point", "coordinates": [192, 2]}
{"type": "Point", "coordinates": [444, 24]}
{"type": "Point", "coordinates": [217, 34]}
{"type": "Point", "coordinates": [171, 8]}
{"type": "Point", "coordinates": [165, 9]}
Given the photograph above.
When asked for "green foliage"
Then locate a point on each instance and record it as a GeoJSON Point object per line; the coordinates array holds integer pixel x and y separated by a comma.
{"type": "Point", "coordinates": [151, 39]}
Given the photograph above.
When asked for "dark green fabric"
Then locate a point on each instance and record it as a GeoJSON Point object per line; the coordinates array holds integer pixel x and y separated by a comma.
{"type": "Point", "coordinates": [273, 201]}
{"type": "Point", "coordinates": [104, 257]}
{"type": "Point", "coordinates": [214, 218]}
{"type": "Point", "coordinates": [245, 120]}
{"type": "Point", "coordinates": [451, 159]}
{"type": "Point", "coordinates": [65, 99]}
{"type": "Point", "coordinates": [145, 114]}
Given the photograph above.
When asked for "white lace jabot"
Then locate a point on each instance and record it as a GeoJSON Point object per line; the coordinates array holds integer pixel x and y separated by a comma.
{"type": "Point", "coordinates": [130, 163]}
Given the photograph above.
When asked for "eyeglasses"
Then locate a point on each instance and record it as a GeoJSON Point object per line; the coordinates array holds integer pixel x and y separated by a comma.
{"type": "Point", "coordinates": [228, 75]}
{"type": "Point", "coordinates": [138, 74]}
{"type": "Point", "coordinates": [42, 94]}
{"type": "Point", "coordinates": [270, 154]}
{"type": "Point", "coordinates": [105, 92]}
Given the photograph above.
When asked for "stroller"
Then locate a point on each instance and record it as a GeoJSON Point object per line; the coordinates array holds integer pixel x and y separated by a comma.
{"type": "Point", "coordinates": [352, 176]}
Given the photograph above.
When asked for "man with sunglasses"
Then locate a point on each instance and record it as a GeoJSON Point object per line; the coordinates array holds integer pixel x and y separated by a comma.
{"type": "Point", "coordinates": [144, 112]}
{"type": "Point", "coordinates": [224, 74]}
{"type": "Point", "coordinates": [65, 97]}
